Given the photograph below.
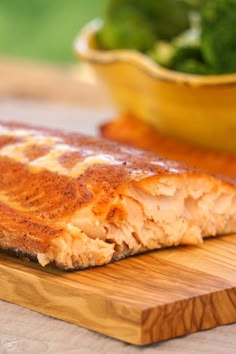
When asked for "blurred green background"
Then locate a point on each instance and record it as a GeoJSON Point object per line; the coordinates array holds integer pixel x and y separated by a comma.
{"type": "Point", "coordinates": [44, 29]}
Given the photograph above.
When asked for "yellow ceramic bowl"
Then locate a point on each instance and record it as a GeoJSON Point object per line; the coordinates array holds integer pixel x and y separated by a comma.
{"type": "Point", "coordinates": [197, 109]}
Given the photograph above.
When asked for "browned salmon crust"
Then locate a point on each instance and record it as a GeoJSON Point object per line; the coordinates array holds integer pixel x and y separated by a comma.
{"type": "Point", "coordinates": [80, 201]}
{"type": "Point", "coordinates": [131, 131]}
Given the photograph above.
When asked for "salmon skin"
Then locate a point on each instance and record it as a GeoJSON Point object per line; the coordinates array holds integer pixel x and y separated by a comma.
{"type": "Point", "coordinates": [79, 201]}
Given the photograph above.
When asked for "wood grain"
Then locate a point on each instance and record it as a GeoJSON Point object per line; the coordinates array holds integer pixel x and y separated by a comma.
{"type": "Point", "coordinates": [139, 300]}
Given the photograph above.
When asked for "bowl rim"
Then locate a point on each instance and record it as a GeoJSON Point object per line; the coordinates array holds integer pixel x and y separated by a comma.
{"type": "Point", "coordinates": [85, 51]}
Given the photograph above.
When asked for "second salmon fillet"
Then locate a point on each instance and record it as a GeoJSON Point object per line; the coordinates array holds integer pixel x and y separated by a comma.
{"type": "Point", "coordinates": [79, 201]}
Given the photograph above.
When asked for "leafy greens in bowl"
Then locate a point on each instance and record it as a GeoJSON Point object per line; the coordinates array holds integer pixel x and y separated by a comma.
{"type": "Point", "coordinates": [197, 106]}
{"type": "Point", "coordinates": [190, 36]}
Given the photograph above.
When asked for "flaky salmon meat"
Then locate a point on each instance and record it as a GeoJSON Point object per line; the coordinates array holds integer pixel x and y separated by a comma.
{"type": "Point", "coordinates": [79, 201]}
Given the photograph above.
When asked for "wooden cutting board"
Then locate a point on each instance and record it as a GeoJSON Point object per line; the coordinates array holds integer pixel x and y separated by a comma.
{"type": "Point", "coordinates": [139, 300]}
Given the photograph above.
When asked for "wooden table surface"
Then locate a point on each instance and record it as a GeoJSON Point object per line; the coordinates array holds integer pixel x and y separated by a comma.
{"type": "Point", "coordinates": [25, 331]}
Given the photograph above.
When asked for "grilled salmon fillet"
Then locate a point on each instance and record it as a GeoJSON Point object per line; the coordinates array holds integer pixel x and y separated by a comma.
{"type": "Point", "coordinates": [79, 201]}
{"type": "Point", "coordinates": [129, 130]}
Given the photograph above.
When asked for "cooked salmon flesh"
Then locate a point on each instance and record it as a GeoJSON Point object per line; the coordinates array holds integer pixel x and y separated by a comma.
{"type": "Point", "coordinates": [79, 201]}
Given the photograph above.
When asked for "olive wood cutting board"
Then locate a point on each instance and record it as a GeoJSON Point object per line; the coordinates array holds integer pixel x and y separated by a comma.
{"type": "Point", "coordinates": [140, 300]}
